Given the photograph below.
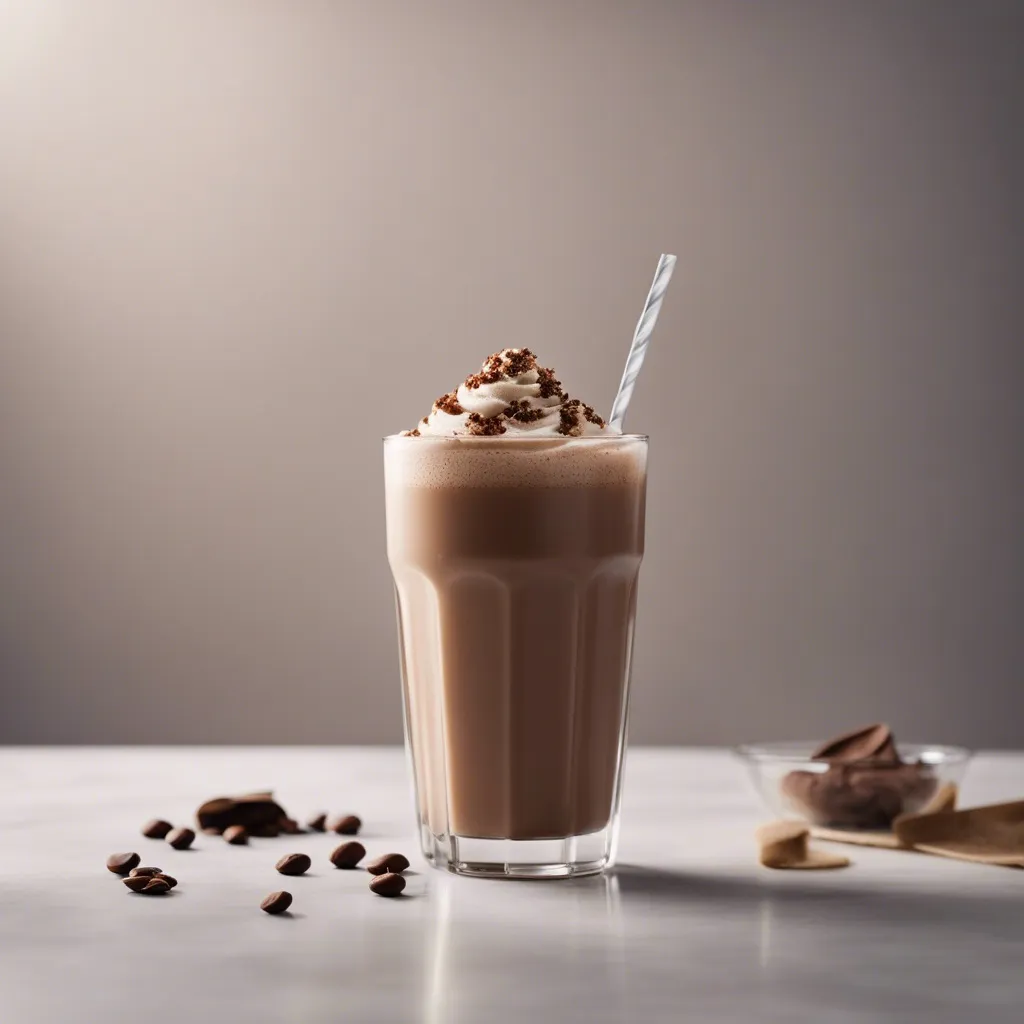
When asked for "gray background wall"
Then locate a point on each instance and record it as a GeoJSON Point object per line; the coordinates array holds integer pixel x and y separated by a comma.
{"type": "Point", "coordinates": [241, 241]}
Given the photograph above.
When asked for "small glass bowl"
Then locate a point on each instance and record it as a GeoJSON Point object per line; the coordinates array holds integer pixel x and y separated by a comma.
{"type": "Point", "coordinates": [861, 796]}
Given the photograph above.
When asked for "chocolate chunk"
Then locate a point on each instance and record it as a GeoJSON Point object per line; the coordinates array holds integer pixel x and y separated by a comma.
{"type": "Point", "coordinates": [181, 838]}
{"type": "Point", "coordinates": [270, 830]}
{"type": "Point", "coordinates": [155, 887]}
{"type": "Point", "coordinates": [169, 879]}
{"type": "Point", "coordinates": [277, 902]}
{"type": "Point", "coordinates": [213, 831]}
{"type": "Point", "coordinates": [137, 882]}
{"type": "Point", "coordinates": [253, 810]}
{"type": "Point", "coordinates": [349, 825]}
{"type": "Point", "coordinates": [388, 884]}
{"type": "Point", "coordinates": [122, 863]}
{"type": "Point", "coordinates": [395, 863]}
{"type": "Point", "coordinates": [290, 827]}
{"type": "Point", "coordinates": [348, 855]}
{"type": "Point", "coordinates": [236, 835]}
{"type": "Point", "coordinates": [143, 871]}
{"type": "Point", "coordinates": [318, 823]}
{"type": "Point", "coordinates": [294, 864]}
{"type": "Point", "coordinates": [156, 829]}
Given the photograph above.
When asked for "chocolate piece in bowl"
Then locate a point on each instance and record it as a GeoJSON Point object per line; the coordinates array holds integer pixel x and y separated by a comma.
{"type": "Point", "coordinates": [874, 743]}
{"type": "Point", "coordinates": [866, 784]}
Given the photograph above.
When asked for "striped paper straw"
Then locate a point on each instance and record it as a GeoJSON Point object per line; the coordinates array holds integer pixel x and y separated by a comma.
{"type": "Point", "coordinates": [641, 339]}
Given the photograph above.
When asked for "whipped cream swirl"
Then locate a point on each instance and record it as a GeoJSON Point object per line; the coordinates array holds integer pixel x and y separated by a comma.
{"type": "Point", "coordinates": [511, 396]}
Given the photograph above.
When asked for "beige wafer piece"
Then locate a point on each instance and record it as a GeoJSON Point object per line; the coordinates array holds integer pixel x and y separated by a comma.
{"type": "Point", "coordinates": [881, 840]}
{"type": "Point", "coordinates": [784, 846]}
{"type": "Point", "coordinates": [987, 835]}
{"type": "Point", "coordinates": [943, 800]}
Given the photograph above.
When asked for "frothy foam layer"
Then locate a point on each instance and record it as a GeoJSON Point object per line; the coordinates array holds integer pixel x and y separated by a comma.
{"type": "Point", "coordinates": [617, 460]}
{"type": "Point", "coordinates": [512, 396]}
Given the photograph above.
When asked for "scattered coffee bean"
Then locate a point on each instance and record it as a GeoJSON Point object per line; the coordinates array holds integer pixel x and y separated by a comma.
{"type": "Point", "coordinates": [122, 863]}
{"type": "Point", "coordinates": [347, 826]}
{"type": "Point", "coordinates": [137, 882]}
{"type": "Point", "coordinates": [170, 880]}
{"type": "Point", "coordinates": [396, 863]}
{"type": "Point", "coordinates": [236, 835]}
{"type": "Point", "coordinates": [277, 902]}
{"type": "Point", "coordinates": [143, 871]}
{"type": "Point", "coordinates": [348, 855]}
{"type": "Point", "coordinates": [156, 887]}
{"type": "Point", "coordinates": [156, 829]}
{"type": "Point", "coordinates": [181, 838]}
{"type": "Point", "coordinates": [318, 823]}
{"type": "Point", "coordinates": [388, 885]}
{"type": "Point", "coordinates": [290, 827]}
{"type": "Point", "coordinates": [294, 864]}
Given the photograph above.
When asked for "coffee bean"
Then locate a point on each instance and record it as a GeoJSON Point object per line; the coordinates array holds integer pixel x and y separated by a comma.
{"type": "Point", "coordinates": [181, 838]}
{"type": "Point", "coordinates": [290, 827]}
{"type": "Point", "coordinates": [143, 871]}
{"type": "Point", "coordinates": [348, 855]}
{"type": "Point", "coordinates": [396, 863]}
{"type": "Point", "coordinates": [156, 829]}
{"type": "Point", "coordinates": [318, 823]}
{"type": "Point", "coordinates": [236, 835]}
{"type": "Point", "coordinates": [156, 887]}
{"type": "Point", "coordinates": [122, 863]}
{"type": "Point", "coordinates": [171, 881]}
{"type": "Point", "coordinates": [277, 902]}
{"type": "Point", "coordinates": [294, 864]}
{"type": "Point", "coordinates": [137, 882]}
{"type": "Point", "coordinates": [388, 885]}
{"type": "Point", "coordinates": [347, 826]}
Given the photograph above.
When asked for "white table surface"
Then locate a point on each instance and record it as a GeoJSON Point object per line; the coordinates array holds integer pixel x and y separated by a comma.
{"type": "Point", "coordinates": [687, 928]}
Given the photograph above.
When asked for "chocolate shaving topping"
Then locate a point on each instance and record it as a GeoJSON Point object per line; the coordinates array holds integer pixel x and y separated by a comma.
{"type": "Point", "coordinates": [481, 427]}
{"type": "Point", "coordinates": [450, 404]}
{"type": "Point", "coordinates": [520, 410]}
{"type": "Point", "coordinates": [510, 365]}
{"type": "Point", "coordinates": [549, 386]}
{"type": "Point", "coordinates": [570, 417]}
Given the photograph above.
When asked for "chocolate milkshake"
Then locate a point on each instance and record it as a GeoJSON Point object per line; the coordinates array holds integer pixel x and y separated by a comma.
{"type": "Point", "coordinates": [515, 523]}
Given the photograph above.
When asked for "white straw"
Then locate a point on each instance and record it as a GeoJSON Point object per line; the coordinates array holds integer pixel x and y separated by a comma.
{"type": "Point", "coordinates": [641, 339]}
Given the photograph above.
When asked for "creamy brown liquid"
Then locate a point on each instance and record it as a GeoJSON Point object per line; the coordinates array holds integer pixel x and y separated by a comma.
{"type": "Point", "coordinates": [516, 607]}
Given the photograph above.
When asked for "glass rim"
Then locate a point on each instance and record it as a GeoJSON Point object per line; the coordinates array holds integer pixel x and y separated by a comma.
{"type": "Point", "coordinates": [498, 440]}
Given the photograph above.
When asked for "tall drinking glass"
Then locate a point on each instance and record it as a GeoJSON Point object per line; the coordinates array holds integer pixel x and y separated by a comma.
{"type": "Point", "coordinates": [515, 566]}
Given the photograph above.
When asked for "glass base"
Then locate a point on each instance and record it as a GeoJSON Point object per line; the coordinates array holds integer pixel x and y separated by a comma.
{"type": "Point", "coordinates": [571, 857]}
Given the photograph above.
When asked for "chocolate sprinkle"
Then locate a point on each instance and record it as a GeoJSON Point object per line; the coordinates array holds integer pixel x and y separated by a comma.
{"type": "Point", "coordinates": [549, 386]}
{"type": "Point", "coordinates": [481, 427]}
{"type": "Point", "coordinates": [521, 411]}
{"type": "Point", "coordinates": [450, 404]}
